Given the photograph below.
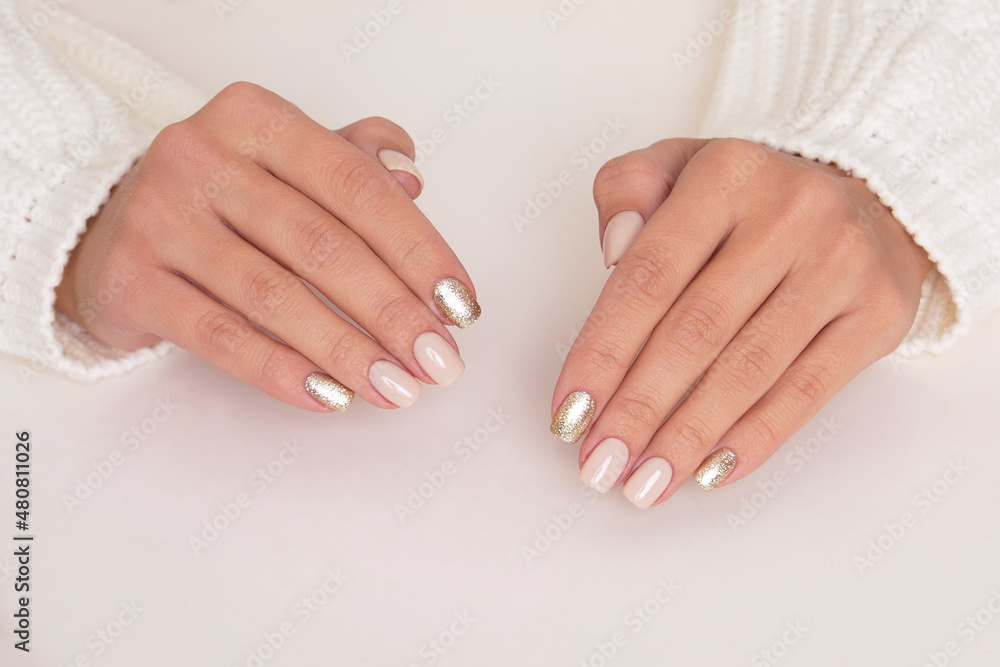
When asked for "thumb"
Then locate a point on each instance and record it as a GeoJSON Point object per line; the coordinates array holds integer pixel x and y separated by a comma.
{"type": "Point", "coordinates": [629, 189]}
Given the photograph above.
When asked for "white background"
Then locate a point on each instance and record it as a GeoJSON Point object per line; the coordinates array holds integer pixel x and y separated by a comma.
{"type": "Point", "coordinates": [898, 428]}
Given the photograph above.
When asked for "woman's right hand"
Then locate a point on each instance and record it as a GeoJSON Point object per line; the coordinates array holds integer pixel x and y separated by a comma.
{"type": "Point", "coordinates": [210, 239]}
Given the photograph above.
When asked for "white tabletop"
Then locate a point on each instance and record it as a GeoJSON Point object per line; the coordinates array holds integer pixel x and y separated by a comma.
{"type": "Point", "coordinates": [867, 540]}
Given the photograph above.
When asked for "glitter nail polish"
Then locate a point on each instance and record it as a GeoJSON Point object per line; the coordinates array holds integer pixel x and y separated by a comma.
{"type": "Point", "coordinates": [573, 417]}
{"type": "Point", "coordinates": [715, 469]}
{"type": "Point", "coordinates": [329, 392]}
{"type": "Point", "coordinates": [456, 302]}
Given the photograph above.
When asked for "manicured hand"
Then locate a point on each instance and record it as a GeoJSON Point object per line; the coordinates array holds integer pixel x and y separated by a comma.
{"type": "Point", "coordinates": [212, 240]}
{"type": "Point", "coordinates": [763, 280]}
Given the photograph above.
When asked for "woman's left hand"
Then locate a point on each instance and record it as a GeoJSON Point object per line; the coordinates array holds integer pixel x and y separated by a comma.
{"type": "Point", "coordinates": [772, 278]}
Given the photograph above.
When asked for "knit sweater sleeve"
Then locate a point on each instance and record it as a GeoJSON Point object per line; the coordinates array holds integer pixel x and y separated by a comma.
{"type": "Point", "coordinates": [77, 108]}
{"type": "Point", "coordinates": [904, 94]}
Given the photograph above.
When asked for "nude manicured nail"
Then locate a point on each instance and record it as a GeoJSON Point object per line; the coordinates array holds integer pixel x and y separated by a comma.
{"type": "Point", "coordinates": [329, 392]}
{"type": "Point", "coordinates": [621, 231]}
{"type": "Point", "coordinates": [648, 483]}
{"type": "Point", "coordinates": [395, 384]}
{"type": "Point", "coordinates": [438, 358]}
{"type": "Point", "coordinates": [605, 465]}
{"type": "Point", "coordinates": [715, 469]}
{"type": "Point", "coordinates": [457, 303]}
{"type": "Point", "coordinates": [573, 417]}
{"type": "Point", "coordinates": [396, 161]}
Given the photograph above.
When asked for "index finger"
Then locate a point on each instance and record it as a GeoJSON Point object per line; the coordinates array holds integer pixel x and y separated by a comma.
{"type": "Point", "coordinates": [679, 238]}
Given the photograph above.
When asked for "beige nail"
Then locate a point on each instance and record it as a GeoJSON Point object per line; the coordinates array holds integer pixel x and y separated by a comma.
{"type": "Point", "coordinates": [648, 482]}
{"type": "Point", "coordinates": [605, 465]}
{"type": "Point", "coordinates": [619, 235]}
{"type": "Point", "coordinates": [438, 358]}
{"type": "Point", "coordinates": [394, 383]}
{"type": "Point", "coordinates": [396, 161]}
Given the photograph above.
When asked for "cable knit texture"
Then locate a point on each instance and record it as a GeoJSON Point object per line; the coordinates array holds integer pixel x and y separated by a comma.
{"type": "Point", "coordinates": [77, 108]}
{"type": "Point", "coordinates": [903, 94]}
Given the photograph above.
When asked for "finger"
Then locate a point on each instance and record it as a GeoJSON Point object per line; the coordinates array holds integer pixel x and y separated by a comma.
{"type": "Point", "coordinates": [317, 247]}
{"type": "Point", "coordinates": [628, 190]}
{"type": "Point", "coordinates": [749, 365]}
{"type": "Point", "coordinates": [269, 296]}
{"type": "Point", "coordinates": [842, 350]}
{"type": "Point", "coordinates": [179, 312]}
{"type": "Point", "coordinates": [678, 240]}
{"type": "Point", "coordinates": [389, 144]}
{"type": "Point", "coordinates": [358, 191]}
{"type": "Point", "coordinates": [710, 312]}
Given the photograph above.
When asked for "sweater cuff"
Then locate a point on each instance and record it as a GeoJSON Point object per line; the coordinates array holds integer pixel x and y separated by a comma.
{"type": "Point", "coordinates": [33, 328]}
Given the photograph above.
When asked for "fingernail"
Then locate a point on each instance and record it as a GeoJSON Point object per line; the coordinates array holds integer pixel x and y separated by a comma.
{"type": "Point", "coordinates": [457, 303]}
{"type": "Point", "coordinates": [438, 358]}
{"type": "Point", "coordinates": [648, 483]}
{"type": "Point", "coordinates": [605, 465]}
{"type": "Point", "coordinates": [573, 417]}
{"type": "Point", "coordinates": [715, 469]}
{"type": "Point", "coordinates": [396, 161]}
{"type": "Point", "coordinates": [329, 392]}
{"type": "Point", "coordinates": [621, 231]}
{"type": "Point", "coordinates": [395, 384]}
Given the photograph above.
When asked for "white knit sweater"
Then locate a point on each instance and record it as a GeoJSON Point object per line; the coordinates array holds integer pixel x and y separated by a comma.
{"type": "Point", "coordinates": [902, 93]}
{"type": "Point", "coordinates": [77, 108]}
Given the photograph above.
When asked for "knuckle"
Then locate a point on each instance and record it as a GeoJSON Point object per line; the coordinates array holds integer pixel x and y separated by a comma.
{"type": "Point", "coordinates": [243, 94]}
{"type": "Point", "coordinates": [415, 250]}
{"type": "Point", "coordinates": [628, 173]}
{"type": "Point", "coordinates": [182, 145]}
{"type": "Point", "coordinates": [698, 328]}
{"type": "Point", "coordinates": [320, 244]}
{"type": "Point", "coordinates": [268, 291]}
{"type": "Point", "coordinates": [736, 161]}
{"type": "Point", "coordinates": [603, 359]}
{"type": "Point", "coordinates": [340, 349]}
{"type": "Point", "coordinates": [397, 314]}
{"type": "Point", "coordinates": [361, 184]}
{"type": "Point", "coordinates": [648, 275]}
{"type": "Point", "coordinates": [750, 363]}
{"type": "Point", "coordinates": [806, 386]}
{"type": "Point", "coordinates": [814, 196]}
{"type": "Point", "coordinates": [218, 331]}
{"type": "Point", "coordinates": [692, 437]}
{"type": "Point", "coordinates": [271, 367]}
{"type": "Point", "coordinates": [764, 436]}
{"type": "Point", "coordinates": [640, 411]}
{"type": "Point", "coordinates": [853, 250]}
{"type": "Point", "coordinates": [733, 150]}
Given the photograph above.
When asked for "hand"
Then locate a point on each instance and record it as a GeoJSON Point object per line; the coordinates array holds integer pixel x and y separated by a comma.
{"type": "Point", "coordinates": [771, 278]}
{"type": "Point", "coordinates": [210, 239]}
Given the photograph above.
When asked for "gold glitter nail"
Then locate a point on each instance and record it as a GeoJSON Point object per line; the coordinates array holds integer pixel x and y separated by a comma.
{"type": "Point", "coordinates": [715, 469]}
{"type": "Point", "coordinates": [329, 392]}
{"type": "Point", "coordinates": [573, 417]}
{"type": "Point", "coordinates": [457, 303]}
